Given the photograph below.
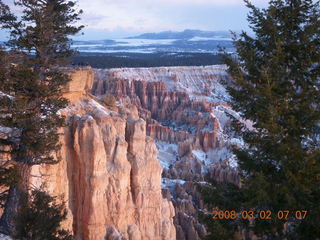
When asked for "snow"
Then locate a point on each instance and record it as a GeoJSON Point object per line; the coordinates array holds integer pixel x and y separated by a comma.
{"type": "Point", "coordinates": [125, 45]}
{"type": "Point", "coordinates": [202, 182]}
{"type": "Point", "coordinates": [197, 81]}
{"type": "Point", "coordinates": [5, 95]}
{"type": "Point", "coordinates": [218, 155]}
{"type": "Point", "coordinates": [248, 123]}
{"type": "Point", "coordinates": [137, 50]}
{"type": "Point", "coordinates": [171, 183]}
{"type": "Point", "coordinates": [193, 80]}
{"type": "Point", "coordinates": [141, 42]}
{"type": "Point", "coordinates": [237, 141]}
{"type": "Point", "coordinates": [220, 94]}
{"type": "Point", "coordinates": [167, 153]}
{"type": "Point", "coordinates": [232, 161]}
{"type": "Point", "coordinates": [4, 237]}
{"type": "Point", "coordinates": [210, 39]}
{"type": "Point", "coordinates": [98, 109]}
{"type": "Point", "coordinates": [200, 155]}
{"type": "Point", "coordinates": [5, 130]}
{"type": "Point", "coordinates": [87, 118]}
{"type": "Point", "coordinates": [89, 108]}
{"type": "Point", "coordinates": [213, 156]}
{"type": "Point", "coordinates": [87, 45]}
{"type": "Point", "coordinates": [221, 115]}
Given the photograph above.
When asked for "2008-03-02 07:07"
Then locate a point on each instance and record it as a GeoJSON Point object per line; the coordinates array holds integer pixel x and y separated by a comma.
{"type": "Point", "coordinates": [263, 214]}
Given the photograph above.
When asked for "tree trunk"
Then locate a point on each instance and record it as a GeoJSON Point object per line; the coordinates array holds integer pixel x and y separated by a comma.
{"type": "Point", "coordinates": [10, 211]}
{"type": "Point", "coordinates": [15, 196]}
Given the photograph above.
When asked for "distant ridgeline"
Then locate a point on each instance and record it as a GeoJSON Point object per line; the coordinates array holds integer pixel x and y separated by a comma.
{"type": "Point", "coordinates": [116, 60]}
{"type": "Point", "coordinates": [186, 48]}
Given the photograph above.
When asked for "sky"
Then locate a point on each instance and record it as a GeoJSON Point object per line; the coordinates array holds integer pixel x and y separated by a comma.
{"type": "Point", "coordinates": [106, 19]}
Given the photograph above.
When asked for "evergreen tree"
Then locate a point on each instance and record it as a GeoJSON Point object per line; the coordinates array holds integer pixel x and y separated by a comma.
{"type": "Point", "coordinates": [33, 81]}
{"type": "Point", "coordinates": [40, 217]}
{"type": "Point", "coordinates": [276, 85]}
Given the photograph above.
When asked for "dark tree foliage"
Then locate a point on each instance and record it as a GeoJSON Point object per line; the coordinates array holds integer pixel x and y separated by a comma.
{"type": "Point", "coordinates": [222, 196]}
{"type": "Point", "coordinates": [276, 85]}
{"type": "Point", "coordinates": [31, 83]}
{"type": "Point", "coordinates": [40, 218]}
{"type": "Point", "coordinates": [117, 60]}
{"type": "Point", "coordinates": [35, 82]}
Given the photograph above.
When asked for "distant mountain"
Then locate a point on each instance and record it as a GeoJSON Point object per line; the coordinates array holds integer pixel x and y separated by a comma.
{"type": "Point", "coordinates": [187, 41]}
{"type": "Point", "coordinates": [92, 42]}
{"type": "Point", "coordinates": [186, 34]}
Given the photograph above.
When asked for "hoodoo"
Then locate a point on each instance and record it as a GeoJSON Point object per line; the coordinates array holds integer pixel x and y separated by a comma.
{"type": "Point", "coordinates": [127, 165]}
{"type": "Point", "coordinates": [108, 174]}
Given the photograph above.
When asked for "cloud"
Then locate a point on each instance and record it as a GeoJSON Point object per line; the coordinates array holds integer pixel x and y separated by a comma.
{"type": "Point", "coordinates": [159, 15]}
{"type": "Point", "coordinates": [127, 14]}
{"type": "Point", "coordinates": [173, 2]}
{"type": "Point", "coordinates": [154, 15]}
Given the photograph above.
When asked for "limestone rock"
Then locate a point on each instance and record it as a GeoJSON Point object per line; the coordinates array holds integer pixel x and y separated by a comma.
{"type": "Point", "coordinates": [157, 104]}
{"type": "Point", "coordinates": [108, 175]}
{"type": "Point", "coordinates": [183, 108]}
{"type": "Point", "coordinates": [82, 80]}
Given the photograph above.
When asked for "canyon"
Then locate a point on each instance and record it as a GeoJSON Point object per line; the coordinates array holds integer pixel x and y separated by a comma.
{"type": "Point", "coordinates": [128, 167]}
{"type": "Point", "coordinates": [187, 114]}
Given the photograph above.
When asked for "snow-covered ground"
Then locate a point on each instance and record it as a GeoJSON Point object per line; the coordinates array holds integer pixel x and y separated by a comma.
{"type": "Point", "coordinates": [228, 110]}
{"type": "Point", "coordinates": [183, 79]}
{"type": "Point", "coordinates": [124, 45]}
{"type": "Point", "coordinates": [4, 237]}
{"type": "Point", "coordinates": [201, 83]}
{"type": "Point", "coordinates": [196, 44]}
{"type": "Point", "coordinates": [167, 153]}
{"type": "Point", "coordinates": [5, 95]}
{"type": "Point", "coordinates": [218, 38]}
{"type": "Point", "coordinates": [171, 183]}
{"type": "Point", "coordinates": [134, 42]}
{"type": "Point", "coordinates": [5, 130]}
{"type": "Point", "coordinates": [219, 155]}
{"type": "Point", "coordinates": [200, 155]}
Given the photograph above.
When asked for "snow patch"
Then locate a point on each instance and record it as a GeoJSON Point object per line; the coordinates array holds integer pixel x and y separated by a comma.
{"type": "Point", "coordinates": [4, 237]}
{"type": "Point", "coordinates": [167, 153]}
{"type": "Point", "coordinates": [87, 118]}
{"type": "Point", "coordinates": [248, 123]}
{"type": "Point", "coordinates": [221, 115]}
{"type": "Point", "coordinates": [171, 183]}
{"type": "Point", "coordinates": [219, 155]}
{"type": "Point", "coordinates": [214, 156]}
{"type": "Point", "coordinates": [183, 79]}
{"type": "Point", "coordinates": [5, 95]}
{"type": "Point", "coordinates": [200, 155]}
{"type": "Point", "coordinates": [219, 94]}
{"type": "Point", "coordinates": [195, 39]}
{"type": "Point", "coordinates": [139, 42]}
{"type": "Point", "coordinates": [237, 141]}
{"type": "Point", "coordinates": [5, 130]}
{"type": "Point", "coordinates": [98, 108]}
{"type": "Point", "coordinates": [232, 161]}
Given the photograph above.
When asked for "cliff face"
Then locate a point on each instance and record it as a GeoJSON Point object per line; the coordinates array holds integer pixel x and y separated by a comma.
{"type": "Point", "coordinates": [185, 106]}
{"type": "Point", "coordinates": [186, 113]}
{"type": "Point", "coordinates": [170, 108]}
{"type": "Point", "coordinates": [109, 174]}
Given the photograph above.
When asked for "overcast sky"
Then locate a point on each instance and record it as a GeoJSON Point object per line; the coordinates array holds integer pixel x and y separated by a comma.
{"type": "Point", "coordinates": [119, 18]}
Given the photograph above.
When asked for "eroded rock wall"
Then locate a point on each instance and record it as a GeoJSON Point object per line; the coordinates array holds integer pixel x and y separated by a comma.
{"type": "Point", "coordinates": [170, 108]}
{"type": "Point", "coordinates": [185, 111]}
{"type": "Point", "coordinates": [108, 175]}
